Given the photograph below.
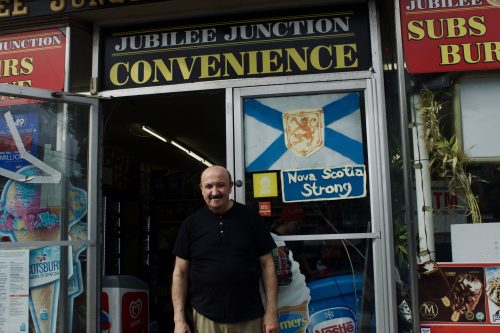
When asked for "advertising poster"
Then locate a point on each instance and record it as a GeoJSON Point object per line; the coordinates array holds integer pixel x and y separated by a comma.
{"type": "Point", "coordinates": [32, 59]}
{"type": "Point", "coordinates": [14, 291]}
{"type": "Point", "coordinates": [293, 294]}
{"type": "Point", "coordinates": [27, 125]}
{"type": "Point", "coordinates": [446, 36]}
{"type": "Point", "coordinates": [325, 305]}
{"type": "Point", "coordinates": [24, 217]}
{"type": "Point", "coordinates": [459, 298]}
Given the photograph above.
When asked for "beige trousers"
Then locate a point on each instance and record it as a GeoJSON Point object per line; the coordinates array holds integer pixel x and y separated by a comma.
{"type": "Point", "coordinates": [204, 325]}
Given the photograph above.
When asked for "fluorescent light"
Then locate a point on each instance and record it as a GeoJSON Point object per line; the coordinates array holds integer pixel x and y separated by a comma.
{"type": "Point", "coordinates": [191, 153]}
{"type": "Point", "coordinates": [177, 145]}
{"type": "Point", "coordinates": [153, 133]}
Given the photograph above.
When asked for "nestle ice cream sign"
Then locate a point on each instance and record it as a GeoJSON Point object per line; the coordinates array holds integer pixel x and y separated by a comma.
{"type": "Point", "coordinates": [333, 320]}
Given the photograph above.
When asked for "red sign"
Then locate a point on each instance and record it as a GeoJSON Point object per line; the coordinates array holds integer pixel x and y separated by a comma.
{"type": "Point", "coordinates": [32, 59]}
{"type": "Point", "coordinates": [135, 312]}
{"type": "Point", "coordinates": [450, 35]}
{"type": "Point", "coordinates": [265, 208]}
{"type": "Point", "coordinates": [459, 298]}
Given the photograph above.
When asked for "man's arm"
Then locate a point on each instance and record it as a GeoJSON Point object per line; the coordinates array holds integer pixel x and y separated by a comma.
{"type": "Point", "coordinates": [270, 320]}
{"type": "Point", "coordinates": [179, 294]}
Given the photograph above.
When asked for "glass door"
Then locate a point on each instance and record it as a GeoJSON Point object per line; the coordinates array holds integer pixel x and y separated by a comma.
{"type": "Point", "coordinates": [308, 158]}
{"type": "Point", "coordinates": [48, 211]}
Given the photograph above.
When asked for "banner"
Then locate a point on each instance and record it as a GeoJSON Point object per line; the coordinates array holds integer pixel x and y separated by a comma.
{"type": "Point", "coordinates": [32, 59]}
{"type": "Point", "coordinates": [250, 47]}
{"type": "Point", "coordinates": [445, 36]}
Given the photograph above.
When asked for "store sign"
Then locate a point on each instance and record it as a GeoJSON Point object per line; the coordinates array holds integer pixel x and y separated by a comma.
{"type": "Point", "coordinates": [248, 48]}
{"type": "Point", "coordinates": [324, 184]}
{"type": "Point", "coordinates": [12, 9]}
{"type": "Point", "coordinates": [451, 35]}
{"type": "Point", "coordinates": [32, 59]}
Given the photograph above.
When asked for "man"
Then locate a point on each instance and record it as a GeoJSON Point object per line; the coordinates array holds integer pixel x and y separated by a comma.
{"type": "Point", "coordinates": [222, 250]}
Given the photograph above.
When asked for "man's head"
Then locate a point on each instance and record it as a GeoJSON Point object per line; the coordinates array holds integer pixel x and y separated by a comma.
{"type": "Point", "coordinates": [216, 186]}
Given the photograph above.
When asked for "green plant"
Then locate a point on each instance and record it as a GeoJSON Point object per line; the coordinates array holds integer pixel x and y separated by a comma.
{"type": "Point", "coordinates": [445, 157]}
{"type": "Point", "coordinates": [401, 243]}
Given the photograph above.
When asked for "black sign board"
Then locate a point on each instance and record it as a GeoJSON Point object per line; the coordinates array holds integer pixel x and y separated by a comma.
{"type": "Point", "coordinates": [334, 40]}
{"type": "Point", "coordinates": [16, 9]}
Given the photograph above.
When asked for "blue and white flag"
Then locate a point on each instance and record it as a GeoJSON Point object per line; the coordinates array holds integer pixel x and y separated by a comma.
{"type": "Point", "coordinates": [303, 132]}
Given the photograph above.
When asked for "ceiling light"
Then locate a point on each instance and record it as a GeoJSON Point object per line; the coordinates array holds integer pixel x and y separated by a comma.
{"type": "Point", "coordinates": [153, 133]}
{"type": "Point", "coordinates": [191, 153]}
{"type": "Point", "coordinates": [177, 145]}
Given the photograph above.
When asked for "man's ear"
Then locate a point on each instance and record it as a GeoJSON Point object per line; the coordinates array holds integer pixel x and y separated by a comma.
{"type": "Point", "coordinates": [231, 187]}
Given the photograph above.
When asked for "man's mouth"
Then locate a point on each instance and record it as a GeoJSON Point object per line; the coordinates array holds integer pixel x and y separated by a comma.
{"type": "Point", "coordinates": [215, 197]}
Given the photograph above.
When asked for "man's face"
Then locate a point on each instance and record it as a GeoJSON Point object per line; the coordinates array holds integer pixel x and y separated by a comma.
{"type": "Point", "coordinates": [215, 188]}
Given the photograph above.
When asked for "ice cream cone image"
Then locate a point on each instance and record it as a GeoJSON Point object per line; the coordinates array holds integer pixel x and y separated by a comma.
{"type": "Point", "coordinates": [25, 219]}
{"type": "Point", "coordinates": [44, 304]}
{"type": "Point", "coordinates": [293, 297]}
{"type": "Point", "coordinates": [294, 316]}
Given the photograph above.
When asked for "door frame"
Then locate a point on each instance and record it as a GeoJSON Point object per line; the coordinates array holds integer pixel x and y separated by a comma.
{"type": "Point", "coordinates": [378, 180]}
{"type": "Point", "coordinates": [93, 205]}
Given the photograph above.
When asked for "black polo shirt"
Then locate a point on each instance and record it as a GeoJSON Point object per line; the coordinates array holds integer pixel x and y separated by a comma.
{"type": "Point", "coordinates": [224, 268]}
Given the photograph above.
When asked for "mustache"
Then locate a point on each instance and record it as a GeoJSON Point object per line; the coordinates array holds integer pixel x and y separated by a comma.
{"type": "Point", "coordinates": [218, 196]}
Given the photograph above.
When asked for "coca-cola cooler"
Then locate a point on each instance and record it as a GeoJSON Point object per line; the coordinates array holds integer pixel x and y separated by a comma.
{"type": "Point", "coordinates": [124, 304]}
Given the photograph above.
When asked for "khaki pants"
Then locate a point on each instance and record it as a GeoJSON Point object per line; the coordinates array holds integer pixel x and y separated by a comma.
{"type": "Point", "coordinates": [204, 325]}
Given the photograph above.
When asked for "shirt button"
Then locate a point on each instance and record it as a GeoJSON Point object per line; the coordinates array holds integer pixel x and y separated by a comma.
{"type": "Point", "coordinates": [220, 223]}
{"type": "Point", "coordinates": [222, 231]}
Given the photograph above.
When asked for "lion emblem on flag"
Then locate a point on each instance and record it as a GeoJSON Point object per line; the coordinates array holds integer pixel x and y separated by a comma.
{"type": "Point", "coordinates": [304, 130]}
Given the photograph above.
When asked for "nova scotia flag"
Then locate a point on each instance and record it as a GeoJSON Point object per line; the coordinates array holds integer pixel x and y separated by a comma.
{"type": "Point", "coordinates": [338, 132]}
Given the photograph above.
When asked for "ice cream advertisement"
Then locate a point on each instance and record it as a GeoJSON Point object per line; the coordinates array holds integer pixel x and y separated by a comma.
{"type": "Point", "coordinates": [493, 293]}
{"type": "Point", "coordinates": [27, 127]}
{"type": "Point", "coordinates": [26, 216]}
{"type": "Point", "coordinates": [459, 297]}
{"type": "Point", "coordinates": [293, 294]}
{"type": "Point", "coordinates": [322, 306]}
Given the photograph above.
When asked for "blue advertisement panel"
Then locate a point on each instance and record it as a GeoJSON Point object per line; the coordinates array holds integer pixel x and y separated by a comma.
{"type": "Point", "coordinates": [27, 125]}
{"type": "Point", "coordinates": [347, 182]}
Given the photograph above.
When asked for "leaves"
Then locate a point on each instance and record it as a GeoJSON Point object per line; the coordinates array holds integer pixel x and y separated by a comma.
{"type": "Point", "coordinates": [445, 157]}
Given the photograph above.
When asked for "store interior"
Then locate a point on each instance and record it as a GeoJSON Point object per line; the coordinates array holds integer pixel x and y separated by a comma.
{"type": "Point", "coordinates": [151, 185]}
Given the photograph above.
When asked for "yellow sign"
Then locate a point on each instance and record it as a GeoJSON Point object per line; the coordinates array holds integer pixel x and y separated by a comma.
{"type": "Point", "coordinates": [265, 185]}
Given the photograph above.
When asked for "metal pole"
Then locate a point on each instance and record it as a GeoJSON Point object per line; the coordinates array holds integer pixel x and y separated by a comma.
{"type": "Point", "coordinates": [407, 170]}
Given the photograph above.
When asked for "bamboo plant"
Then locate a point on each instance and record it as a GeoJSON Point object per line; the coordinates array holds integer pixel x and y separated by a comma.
{"type": "Point", "coordinates": [445, 156]}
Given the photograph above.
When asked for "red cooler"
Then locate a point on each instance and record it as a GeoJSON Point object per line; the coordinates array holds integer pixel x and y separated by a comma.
{"type": "Point", "coordinates": [124, 305]}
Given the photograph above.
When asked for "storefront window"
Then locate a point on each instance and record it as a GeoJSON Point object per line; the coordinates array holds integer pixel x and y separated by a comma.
{"type": "Point", "coordinates": [43, 168]}
{"type": "Point", "coordinates": [456, 124]}
{"type": "Point", "coordinates": [306, 173]}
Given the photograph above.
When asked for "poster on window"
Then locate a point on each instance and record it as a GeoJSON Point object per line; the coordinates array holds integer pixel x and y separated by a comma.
{"type": "Point", "coordinates": [459, 298]}
{"type": "Point", "coordinates": [27, 125]}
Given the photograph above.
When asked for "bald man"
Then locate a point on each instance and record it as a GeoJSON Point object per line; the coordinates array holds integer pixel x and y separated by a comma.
{"type": "Point", "coordinates": [222, 251]}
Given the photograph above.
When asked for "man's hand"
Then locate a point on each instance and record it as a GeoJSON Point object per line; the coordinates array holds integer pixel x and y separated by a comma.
{"type": "Point", "coordinates": [270, 322]}
{"type": "Point", "coordinates": [179, 292]}
{"type": "Point", "coordinates": [181, 327]}
{"type": "Point", "coordinates": [270, 283]}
